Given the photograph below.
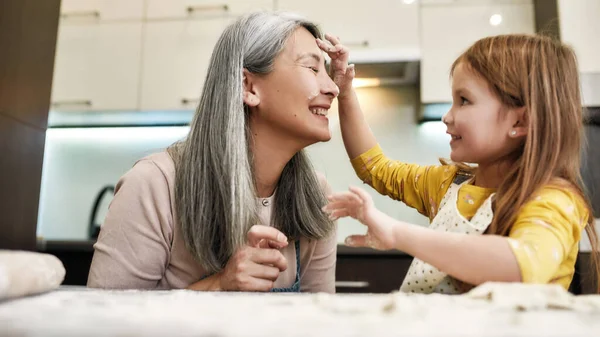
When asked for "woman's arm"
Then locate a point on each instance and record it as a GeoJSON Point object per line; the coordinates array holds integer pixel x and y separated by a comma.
{"type": "Point", "coordinates": [132, 250]}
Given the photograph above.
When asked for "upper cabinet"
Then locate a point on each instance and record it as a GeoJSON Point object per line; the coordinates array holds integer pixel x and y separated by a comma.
{"type": "Point", "coordinates": [203, 9]}
{"type": "Point", "coordinates": [154, 54]}
{"type": "Point", "coordinates": [579, 27]}
{"type": "Point", "coordinates": [102, 10]}
{"type": "Point", "coordinates": [97, 63]}
{"type": "Point", "coordinates": [375, 30]}
{"type": "Point", "coordinates": [176, 57]}
{"type": "Point", "coordinates": [178, 42]}
{"type": "Point", "coordinates": [448, 30]}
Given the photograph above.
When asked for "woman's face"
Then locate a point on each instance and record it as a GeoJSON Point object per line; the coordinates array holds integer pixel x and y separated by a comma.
{"type": "Point", "coordinates": [292, 100]}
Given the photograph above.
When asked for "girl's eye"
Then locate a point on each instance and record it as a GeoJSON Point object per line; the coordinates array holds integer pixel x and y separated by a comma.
{"type": "Point", "coordinates": [463, 101]}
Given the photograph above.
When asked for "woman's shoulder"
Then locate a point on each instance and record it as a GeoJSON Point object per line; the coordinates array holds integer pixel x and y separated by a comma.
{"type": "Point", "coordinates": [156, 169]}
{"type": "Point", "coordinates": [159, 161]}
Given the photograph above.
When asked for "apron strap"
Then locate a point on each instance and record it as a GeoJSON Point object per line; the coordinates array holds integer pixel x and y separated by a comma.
{"type": "Point", "coordinates": [461, 177]}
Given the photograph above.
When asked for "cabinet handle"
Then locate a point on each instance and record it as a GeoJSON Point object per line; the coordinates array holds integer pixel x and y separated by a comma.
{"type": "Point", "coordinates": [351, 284]}
{"type": "Point", "coordinates": [354, 44]}
{"type": "Point", "coordinates": [206, 8]}
{"type": "Point", "coordinates": [75, 102]}
{"type": "Point", "coordinates": [186, 101]}
{"type": "Point", "coordinates": [94, 14]}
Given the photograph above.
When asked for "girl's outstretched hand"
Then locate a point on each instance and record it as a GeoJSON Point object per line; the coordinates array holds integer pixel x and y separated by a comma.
{"type": "Point", "coordinates": [358, 204]}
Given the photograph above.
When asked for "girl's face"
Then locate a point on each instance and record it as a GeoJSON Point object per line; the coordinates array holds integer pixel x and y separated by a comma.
{"type": "Point", "coordinates": [294, 98]}
{"type": "Point", "coordinates": [482, 129]}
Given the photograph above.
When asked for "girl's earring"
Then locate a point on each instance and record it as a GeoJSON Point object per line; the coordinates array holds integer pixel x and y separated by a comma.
{"type": "Point", "coordinates": [513, 133]}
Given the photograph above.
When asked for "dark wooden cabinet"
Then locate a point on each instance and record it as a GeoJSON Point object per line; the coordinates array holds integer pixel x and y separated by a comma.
{"type": "Point", "coordinates": [358, 270]}
{"type": "Point", "coordinates": [28, 31]}
{"type": "Point", "coordinates": [585, 280]}
{"type": "Point", "coordinates": [370, 272]}
{"type": "Point", "coordinates": [76, 257]}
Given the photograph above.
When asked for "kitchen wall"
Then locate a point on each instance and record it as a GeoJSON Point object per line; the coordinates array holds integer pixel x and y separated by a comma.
{"type": "Point", "coordinates": [78, 162]}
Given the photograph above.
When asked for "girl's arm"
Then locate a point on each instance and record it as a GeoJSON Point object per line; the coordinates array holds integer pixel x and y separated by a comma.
{"type": "Point", "coordinates": [474, 259]}
{"type": "Point", "coordinates": [420, 187]}
{"type": "Point", "coordinates": [356, 133]}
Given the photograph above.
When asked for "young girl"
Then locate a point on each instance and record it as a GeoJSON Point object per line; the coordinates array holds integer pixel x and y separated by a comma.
{"type": "Point", "coordinates": [516, 113]}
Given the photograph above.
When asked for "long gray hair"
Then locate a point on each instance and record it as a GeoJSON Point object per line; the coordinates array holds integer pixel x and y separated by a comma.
{"type": "Point", "coordinates": [215, 192]}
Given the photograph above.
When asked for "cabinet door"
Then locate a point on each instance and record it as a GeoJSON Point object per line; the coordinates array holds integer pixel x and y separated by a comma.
{"type": "Point", "coordinates": [97, 66]}
{"type": "Point", "coordinates": [81, 10]}
{"type": "Point", "coordinates": [579, 27]}
{"type": "Point", "coordinates": [199, 9]}
{"type": "Point", "coordinates": [447, 31]}
{"type": "Point", "coordinates": [175, 62]}
{"type": "Point", "coordinates": [374, 30]}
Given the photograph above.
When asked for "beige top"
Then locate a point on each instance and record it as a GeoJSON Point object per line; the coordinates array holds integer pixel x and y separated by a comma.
{"type": "Point", "coordinates": [140, 245]}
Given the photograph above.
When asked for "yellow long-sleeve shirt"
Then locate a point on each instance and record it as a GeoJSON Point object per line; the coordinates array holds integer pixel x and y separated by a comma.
{"type": "Point", "coordinates": [544, 238]}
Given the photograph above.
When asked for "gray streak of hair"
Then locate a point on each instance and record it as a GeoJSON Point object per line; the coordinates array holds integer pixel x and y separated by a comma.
{"type": "Point", "coordinates": [215, 193]}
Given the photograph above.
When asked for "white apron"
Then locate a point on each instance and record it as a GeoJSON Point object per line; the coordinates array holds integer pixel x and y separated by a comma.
{"type": "Point", "coordinates": [425, 278]}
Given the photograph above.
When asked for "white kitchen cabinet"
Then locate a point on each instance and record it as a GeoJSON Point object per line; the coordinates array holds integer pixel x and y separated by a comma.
{"type": "Point", "coordinates": [447, 31]}
{"type": "Point", "coordinates": [178, 41]}
{"type": "Point", "coordinates": [473, 2]}
{"type": "Point", "coordinates": [101, 10]}
{"type": "Point", "coordinates": [203, 9]}
{"type": "Point", "coordinates": [97, 66]}
{"type": "Point", "coordinates": [176, 56]}
{"type": "Point", "coordinates": [580, 28]}
{"type": "Point", "coordinates": [375, 30]}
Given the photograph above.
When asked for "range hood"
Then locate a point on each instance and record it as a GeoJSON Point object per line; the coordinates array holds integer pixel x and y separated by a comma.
{"type": "Point", "coordinates": [386, 73]}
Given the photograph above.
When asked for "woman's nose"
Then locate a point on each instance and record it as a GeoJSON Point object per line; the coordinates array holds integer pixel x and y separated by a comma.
{"type": "Point", "coordinates": [328, 86]}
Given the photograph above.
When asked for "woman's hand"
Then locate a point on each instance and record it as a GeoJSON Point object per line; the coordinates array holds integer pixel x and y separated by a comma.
{"type": "Point", "coordinates": [358, 204]}
{"type": "Point", "coordinates": [341, 73]}
{"type": "Point", "coordinates": [256, 266]}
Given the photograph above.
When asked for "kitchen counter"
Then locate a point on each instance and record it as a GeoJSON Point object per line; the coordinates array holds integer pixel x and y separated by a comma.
{"type": "Point", "coordinates": [489, 310]}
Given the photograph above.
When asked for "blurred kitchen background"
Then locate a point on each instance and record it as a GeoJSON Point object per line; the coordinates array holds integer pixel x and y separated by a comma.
{"type": "Point", "coordinates": [128, 74]}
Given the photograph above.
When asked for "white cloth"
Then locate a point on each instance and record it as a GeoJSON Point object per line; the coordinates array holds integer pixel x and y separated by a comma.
{"type": "Point", "coordinates": [425, 278]}
{"type": "Point", "coordinates": [26, 273]}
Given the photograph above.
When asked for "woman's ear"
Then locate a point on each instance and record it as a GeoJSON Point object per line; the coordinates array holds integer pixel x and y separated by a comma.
{"type": "Point", "coordinates": [251, 97]}
{"type": "Point", "coordinates": [521, 124]}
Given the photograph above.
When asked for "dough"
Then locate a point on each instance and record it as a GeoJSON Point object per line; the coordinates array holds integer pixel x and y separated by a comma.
{"type": "Point", "coordinates": [26, 273]}
{"type": "Point", "coordinates": [521, 296]}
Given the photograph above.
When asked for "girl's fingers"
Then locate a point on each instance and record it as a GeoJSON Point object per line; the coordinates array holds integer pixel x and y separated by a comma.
{"type": "Point", "coordinates": [356, 241]}
{"type": "Point", "coordinates": [361, 194]}
{"type": "Point", "coordinates": [326, 46]}
{"type": "Point", "coordinates": [341, 205]}
{"type": "Point", "coordinates": [339, 213]}
{"type": "Point", "coordinates": [342, 196]}
{"type": "Point", "coordinates": [334, 40]}
{"type": "Point", "coordinates": [357, 199]}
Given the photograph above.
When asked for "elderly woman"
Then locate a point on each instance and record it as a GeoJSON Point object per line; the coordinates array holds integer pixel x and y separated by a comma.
{"type": "Point", "coordinates": [237, 204]}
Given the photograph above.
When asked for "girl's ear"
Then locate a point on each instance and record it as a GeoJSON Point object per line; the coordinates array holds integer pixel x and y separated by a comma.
{"type": "Point", "coordinates": [521, 124]}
